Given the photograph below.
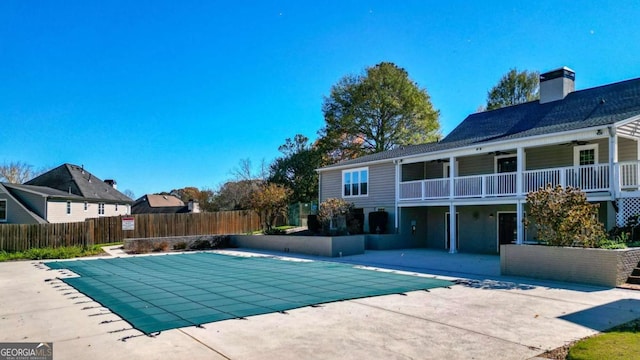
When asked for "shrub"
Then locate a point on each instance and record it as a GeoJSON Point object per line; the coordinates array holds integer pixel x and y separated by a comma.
{"type": "Point", "coordinates": [564, 217]}
{"type": "Point", "coordinates": [160, 246]}
{"type": "Point", "coordinates": [332, 216]}
{"type": "Point", "coordinates": [200, 244]}
{"type": "Point", "coordinates": [180, 246]}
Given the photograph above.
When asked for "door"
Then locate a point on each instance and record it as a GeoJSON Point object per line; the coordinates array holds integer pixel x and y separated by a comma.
{"type": "Point", "coordinates": [507, 228]}
{"type": "Point", "coordinates": [448, 231]}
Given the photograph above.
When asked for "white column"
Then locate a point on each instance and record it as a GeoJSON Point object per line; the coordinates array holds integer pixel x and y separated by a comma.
{"type": "Point", "coordinates": [520, 171]}
{"type": "Point", "coordinates": [520, 222]}
{"type": "Point", "coordinates": [398, 169]}
{"type": "Point", "coordinates": [452, 229]}
{"type": "Point", "coordinates": [614, 179]}
{"type": "Point", "coordinates": [453, 172]}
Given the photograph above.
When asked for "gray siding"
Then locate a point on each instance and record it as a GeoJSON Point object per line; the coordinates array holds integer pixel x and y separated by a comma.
{"type": "Point", "coordinates": [381, 191]}
{"type": "Point", "coordinates": [414, 171]}
{"type": "Point", "coordinates": [34, 202]}
{"type": "Point", "coordinates": [561, 155]}
{"type": "Point", "coordinates": [475, 165]}
{"type": "Point", "coordinates": [627, 150]}
{"type": "Point", "coordinates": [16, 212]}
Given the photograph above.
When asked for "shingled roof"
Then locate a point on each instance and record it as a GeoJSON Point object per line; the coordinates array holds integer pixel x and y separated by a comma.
{"type": "Point", "coordinates": [74, 179]}
{"type": "Point", "coordinates": [598, 106]}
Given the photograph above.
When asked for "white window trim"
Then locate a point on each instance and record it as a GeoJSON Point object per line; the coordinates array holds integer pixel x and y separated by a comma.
{"type": "Point", "coordinates": [498, 157]}
{"type": "Point", "coordinates": [577, 149]}
{"type": "Point", "coordinates": [116, 207]}
{"type": "Point", "coordinates": [6, 210]}
{"type": "Point", "coordinates": [86, 206]}
{"type": "Point", "coordinates": [358, 170]}
{"type": "Point", "coordinates": [69, 207]}
{"type": "Point", "coordinates": [445, 167]}
{"type": "Point", "coordinates": [101, 209]}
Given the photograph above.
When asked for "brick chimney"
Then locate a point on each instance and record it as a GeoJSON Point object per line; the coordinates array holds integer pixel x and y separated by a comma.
{"type": "Point", "coordinates": [112, 183]}
{"type": "Point", "coordinates": [556, 84]}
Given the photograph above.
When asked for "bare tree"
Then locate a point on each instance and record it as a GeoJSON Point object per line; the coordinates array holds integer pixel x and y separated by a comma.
{"type": "Point", "coordinates": [129, 194]}
{"type": "Point", "coordinates": [17, 172]}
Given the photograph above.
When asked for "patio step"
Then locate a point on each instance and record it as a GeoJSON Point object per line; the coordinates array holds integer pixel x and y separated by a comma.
{"type": "Point", "coordinates": [634, 278]}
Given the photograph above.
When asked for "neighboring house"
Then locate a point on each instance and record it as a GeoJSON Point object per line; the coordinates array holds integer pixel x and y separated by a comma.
{"type": "Point", "coordinates": [483, 169]}
{"type": "Point", "coordinates": [67, 193]}
{"type": "Point", "coordinates": [163, 204]}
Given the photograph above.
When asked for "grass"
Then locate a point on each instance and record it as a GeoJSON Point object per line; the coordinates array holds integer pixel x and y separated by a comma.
{"type": "Point", "coordinates": [621, 342]}
{"type": "Point", "coordinates": [64, 252]}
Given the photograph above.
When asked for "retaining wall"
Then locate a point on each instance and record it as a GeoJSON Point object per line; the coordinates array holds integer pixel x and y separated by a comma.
{"type": "Point", "coordinates": [589, 266]}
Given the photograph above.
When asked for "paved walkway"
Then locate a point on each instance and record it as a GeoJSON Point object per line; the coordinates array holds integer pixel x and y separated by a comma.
{"type": "Point", "coordinates": [485, 316]}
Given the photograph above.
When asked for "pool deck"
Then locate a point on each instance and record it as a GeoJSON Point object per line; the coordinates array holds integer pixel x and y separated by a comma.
{"type": "Point", "coordinates": [485, 316]}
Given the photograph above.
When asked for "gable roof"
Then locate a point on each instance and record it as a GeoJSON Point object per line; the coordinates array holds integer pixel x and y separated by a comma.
{"type": "Point", "coordinates": [42, 191]}
{"type": "Point", "coordinates": [76, 180]}
{"type": "Point", "coordinates": [158, 204]}
{"type": "Point", "coordinates": [30, 214]}
{"type": "Point", "coordinates": [598, 106]}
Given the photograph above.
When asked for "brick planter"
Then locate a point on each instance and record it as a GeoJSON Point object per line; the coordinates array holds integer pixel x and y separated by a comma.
{"type": "Point", "coordinates": [588, 266]}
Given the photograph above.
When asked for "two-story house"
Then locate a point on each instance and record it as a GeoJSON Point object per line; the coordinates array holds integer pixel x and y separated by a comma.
{"type": "Point", "coordinates": [468, 191]}
{"type": "Point", "coordinates": [68, 193]}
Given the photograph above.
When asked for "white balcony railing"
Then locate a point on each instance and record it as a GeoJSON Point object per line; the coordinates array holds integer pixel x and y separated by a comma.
{"type": "Point", "coordinates": [589, 178]}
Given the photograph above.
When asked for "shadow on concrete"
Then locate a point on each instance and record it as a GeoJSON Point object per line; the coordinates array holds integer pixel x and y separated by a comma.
{"type": "Point", "coordinates": [471, 270]}
{"type": "Point", "coordinates": [606, 316]}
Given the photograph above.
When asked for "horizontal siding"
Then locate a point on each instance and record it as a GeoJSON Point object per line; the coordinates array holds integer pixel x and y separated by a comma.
{"type": "Point", "coordinates": [33, 202]}
{"type": "Point", "coordinates": [381, 190]}
{"type": "Point", "coordinates": [413, 171]}
{"type": "Point", "coordinates": [627, 150]}
{"type": "Point", "coordinates": [16, 214]}
{"type": "Point", "coordinates": [475, 165]}
{"type": "Point", "coordinates": [57, 211]}
{"type": "Point", "coordinates": [561, 155]}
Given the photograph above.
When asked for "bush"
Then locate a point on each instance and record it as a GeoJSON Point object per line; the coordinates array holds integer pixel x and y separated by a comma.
{"type": "Point", "coordinates": [333, 216]}
{"type": "Point", "coordinates": [564, 217]}
{"type": "Point", "coordinates": [180, 246]}
{"type": "Point", "coordinates": [160, 246]}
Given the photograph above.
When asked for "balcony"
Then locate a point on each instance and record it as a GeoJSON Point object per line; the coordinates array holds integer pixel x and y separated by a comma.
{"type": "Point", "coordinates": [591, 178]}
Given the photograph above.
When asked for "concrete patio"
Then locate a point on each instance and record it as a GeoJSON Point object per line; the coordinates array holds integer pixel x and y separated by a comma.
{"type": "Point", "coordinates": [485, 316]}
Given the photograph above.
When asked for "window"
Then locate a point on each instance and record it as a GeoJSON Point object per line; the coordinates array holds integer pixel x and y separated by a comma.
{"type": "Point", "coordinates": [101, 209]}
{"type": "Point", "coordinates": [86, 206]}
{"type": "Point", "coordinates": [116, 207]}
{"type": "Point", "coordinates": [585, 155]}
{"type": "Point", "coordinates": [3, 210]}
{"type": "Point", "coordinates": [355, 182]}
{"type": "Point", "coordinates": [68, 207]}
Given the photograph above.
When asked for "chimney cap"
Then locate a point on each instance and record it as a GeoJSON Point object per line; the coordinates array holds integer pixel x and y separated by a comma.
{"type": "Point", "coordinates": [557, 73]}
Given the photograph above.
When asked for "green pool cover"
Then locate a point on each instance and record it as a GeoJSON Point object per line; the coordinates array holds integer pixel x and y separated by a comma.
{"type": "Point", "coordinates": [155, 293]}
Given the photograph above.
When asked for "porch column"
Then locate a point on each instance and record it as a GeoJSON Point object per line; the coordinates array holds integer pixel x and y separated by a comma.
{"type": "Point", "coordinates": [614, 179]}
{"type": "Point", "coordinates": [519, 171]}
{"type": "Point", "coordinates": [453, 172]}
{"type": "Point", "coordinates": [520, 222]}
{"type": "Point", "coordinates": [453, 242]}
{"type": "Point", "coordinates": [398, 174]}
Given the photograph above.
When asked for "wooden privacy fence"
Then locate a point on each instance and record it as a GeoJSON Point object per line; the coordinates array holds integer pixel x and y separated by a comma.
{"type": "Point", "coordinates": [109, 229]}
{"type": "Point", "coordinates": [20, 237]}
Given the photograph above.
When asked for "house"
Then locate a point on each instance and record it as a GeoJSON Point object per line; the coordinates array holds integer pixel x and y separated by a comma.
{"type": "Point", "coordinates": [67, 193]}
{"type": "Point", "coordinates": [163, 204]}
{"type": "Point", "coordinates": [468, 191]}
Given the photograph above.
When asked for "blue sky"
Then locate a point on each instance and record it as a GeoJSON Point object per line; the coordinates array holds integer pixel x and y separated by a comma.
{"type": "Point", "coordinates": [166, 94]}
